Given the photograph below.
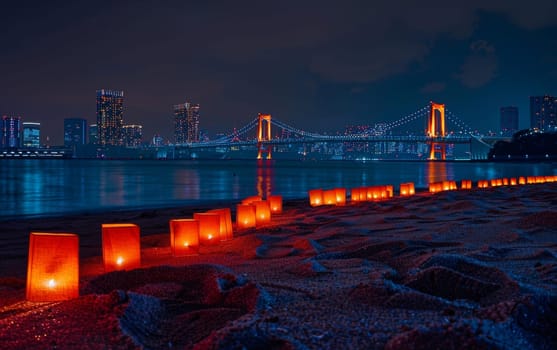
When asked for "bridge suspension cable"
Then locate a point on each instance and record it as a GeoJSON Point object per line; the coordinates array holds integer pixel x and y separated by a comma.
{"type": "Point", "coordinates": [420, 113]}
{"type": "Point", "coordinates": [459, 122]}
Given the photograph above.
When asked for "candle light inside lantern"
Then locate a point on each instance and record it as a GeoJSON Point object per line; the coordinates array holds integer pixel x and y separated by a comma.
{"type": "Point", "coordinates": [184, 237]}
{"type": "Point", "coordinates": [329, 197]}
{"type": "Point", "coordinates": [245, 215]}
{"type": "Point", "coordinates": [340, 196]}
{"type": "Point", "coordinates": [121, 246]}
{"type": "Point", "coordinates": [262, 213]}
{"type": "Point", "coordinates": [226, 231]}
{"type": "Point", "coordinates": [53, 267]}
{"type": "Point", "coordinates": [315, 197]}
{"type": "Point", "coordinates": [407, 189]}
{"type": "Point", "coordinates": [275, 202]}
{"type": "Point", "coordinates": [209, 227]}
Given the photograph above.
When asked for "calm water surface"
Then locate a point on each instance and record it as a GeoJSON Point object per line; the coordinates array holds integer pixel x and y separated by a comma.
{"type": "Point", "coordinates": [52, 187]}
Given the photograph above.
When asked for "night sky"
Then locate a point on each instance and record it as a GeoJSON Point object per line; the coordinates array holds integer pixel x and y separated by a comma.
{"type": "Point", "coordinates": [317, 65]}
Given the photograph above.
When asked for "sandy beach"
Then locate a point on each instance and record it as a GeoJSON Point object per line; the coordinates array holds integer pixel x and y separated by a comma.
{"type": "Point", "coordinates": [451, 270]}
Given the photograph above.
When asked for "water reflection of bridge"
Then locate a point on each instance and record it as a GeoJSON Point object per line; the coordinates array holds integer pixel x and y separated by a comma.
{"type": "Point", "coordinates": [435, 135]}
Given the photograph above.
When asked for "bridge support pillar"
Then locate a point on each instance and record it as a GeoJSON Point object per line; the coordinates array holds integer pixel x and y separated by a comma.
{"type": "Point", "coordinates": [436, 128]}
{"type": "Point", "coordinates": [263, 134]}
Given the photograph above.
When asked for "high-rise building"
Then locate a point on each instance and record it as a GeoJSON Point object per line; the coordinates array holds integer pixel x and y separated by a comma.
{"type": "Point", "coordinates": [93, 134]}
{"type": "Point", "coordinates": [31, 135]}
{"type": "Point", "coordinates": [133, 135]}
{"type": "Point", "coordinates": [110, 120]}
{"type": "Point", "coordinates": [186, 123]}
{"type": "Point", "coordinates": [10, 130]}
{"type": "Point", "coordinates": [543, 112]}
{"type": "Point", "coordinates": [75, 132]}
{"type": "Point", "coordinates": [509, 120]}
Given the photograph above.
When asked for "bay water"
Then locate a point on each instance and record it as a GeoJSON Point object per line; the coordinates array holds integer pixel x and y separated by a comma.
{"type": "Point", "coordinates": [31, 188]}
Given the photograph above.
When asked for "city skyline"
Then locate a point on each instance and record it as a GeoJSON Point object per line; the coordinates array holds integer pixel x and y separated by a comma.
{"type": "Point", "coordinates": [314, 65]}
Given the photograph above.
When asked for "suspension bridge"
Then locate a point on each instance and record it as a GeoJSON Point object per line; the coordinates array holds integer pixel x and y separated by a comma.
{"type": "Point", "coordinates": [435, 118]}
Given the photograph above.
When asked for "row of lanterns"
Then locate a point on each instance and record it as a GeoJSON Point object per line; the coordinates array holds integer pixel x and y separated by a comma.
{"type": "Point", "coordinates": [337, 196]}
{"type": "Point", "coordinates": [53, 260]}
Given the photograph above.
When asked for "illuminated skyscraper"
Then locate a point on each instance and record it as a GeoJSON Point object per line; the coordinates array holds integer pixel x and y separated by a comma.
{"type": "Point", "coordinates": [133, 135]}
{"type": "Point", "coordinates": [509, 120]}
{"type": "Point", "coordinates": [110, 120]}
{"type": "Point", "coordinates": [186, 123]}
{"type": "Point", "coordinates": [31, 135]}
{"type": "Point", "coordinates": [10, 129]}
{"type": "Point", "coordinates": [543, 112]}
{"type": "Point", "coordinates": [75, 131]}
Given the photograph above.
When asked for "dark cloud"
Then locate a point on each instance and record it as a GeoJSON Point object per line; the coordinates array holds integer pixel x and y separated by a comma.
{"type": "Point", "coordinates": [480, 67]}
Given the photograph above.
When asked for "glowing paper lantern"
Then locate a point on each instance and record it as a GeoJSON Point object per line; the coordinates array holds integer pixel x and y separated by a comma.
{"type": "Point", "coordinates": [330, 197]}
{"type": "Point", "coordinates": [371, 193]}
{"type": "Point", "coordinates": [262, 213]}
{"type": "Point", "coordinates": [316, 197]}
{"type": "Point", "coordinates": [275, 202]}
{"type": "Point", "coordinates": [340, 196]}
{"type": "Point", "coordinates": [355, 195]}
{"type": "Point", "coordinates": [513, 181]}
{"type": "Point", "coordinates": [407, 189]}
{"type": "Point", "coordinates": [209, 228]}
{"type": "Point", "coordinates": [530, 180]}
{"type": "Point", "coordinates": [363, 194]}
{"type": "Point", "coordinates": [121, 247]}
{"type": "Point", "coordinates": [377, 193]}
{"type": "Point", "coordinates": [483, 184]}
{"type": "Point", "coordinates": [505, 181]}
{"type": "Point", "coordinates": [245, 215]}
{"type": "Point", "coordinates": [184, 237]}
{"type": "Point", "coordinates": [389, 191]}
{"type": "Point", "coordinates": [52, 267]}
{"type": "Point", "coordinates": [522, 180]}
{"type": "Point", "coordinates": [226, 231]}
{"type": "Point", "coordinates": [251, 199]}
{"type": "Point", "coordinates": [466, 184]}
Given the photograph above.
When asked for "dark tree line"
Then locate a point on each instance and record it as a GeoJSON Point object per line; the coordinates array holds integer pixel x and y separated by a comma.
{"type": "Point", "coordinates": [526, 144]}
